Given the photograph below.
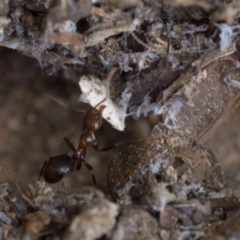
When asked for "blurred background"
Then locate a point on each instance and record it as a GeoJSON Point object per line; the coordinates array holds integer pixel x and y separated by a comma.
{"type": "Point", "coordinates": [32, 126]}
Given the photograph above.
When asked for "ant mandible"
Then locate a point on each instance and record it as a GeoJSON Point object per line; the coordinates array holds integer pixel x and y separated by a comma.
{"type": "Point", "coordinates": [55, 168]}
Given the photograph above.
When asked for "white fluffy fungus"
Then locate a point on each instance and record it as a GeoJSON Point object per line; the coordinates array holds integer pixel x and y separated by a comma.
{"type": "Point", "coordinates": [227, 34]}
{"type": "Point", "coordinates": [94, 91]}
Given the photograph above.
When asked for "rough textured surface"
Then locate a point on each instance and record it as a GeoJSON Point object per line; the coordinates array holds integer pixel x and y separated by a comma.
{"type": "Point", "coordinates": [135, 223]}
{"type": "Point", "coordinates": [160, 148]}
{"type": "Point", "coordinates": [179, 61]}
{"type": "Point", "coordinates": [204, 96]}
{"type": "Point", "coordinates": [99, 215]}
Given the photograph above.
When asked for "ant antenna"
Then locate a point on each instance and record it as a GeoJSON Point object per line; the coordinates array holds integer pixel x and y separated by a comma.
{"type": "Point", "coordinates": [100, 102]}
{"type": "Point", "coordinates": [71, 146]}
{"type": "Point", "coordinates": [109, 77]}
{"type": "Point", "coordinates": [62, 103]}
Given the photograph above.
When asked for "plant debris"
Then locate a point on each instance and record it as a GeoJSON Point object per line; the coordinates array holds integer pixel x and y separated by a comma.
{"type": "Point", "coordinates": [176, 59]}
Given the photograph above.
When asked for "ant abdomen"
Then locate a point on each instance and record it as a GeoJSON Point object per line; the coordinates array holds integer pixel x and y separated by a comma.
{"type": "Point", "coordinates": [58, 167]}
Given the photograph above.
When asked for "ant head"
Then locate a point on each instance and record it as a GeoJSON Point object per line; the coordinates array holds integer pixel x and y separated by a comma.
{"type": "Point", "coordinates": [58, 167]}
{"type": "Point", "coordinates": [101, 108]}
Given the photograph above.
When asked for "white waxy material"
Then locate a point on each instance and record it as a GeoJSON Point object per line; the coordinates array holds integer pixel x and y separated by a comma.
{"type": "Point", "coordinates": [94, 91]}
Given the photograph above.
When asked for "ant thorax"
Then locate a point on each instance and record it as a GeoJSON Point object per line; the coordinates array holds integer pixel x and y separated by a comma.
{"type": "Point", "coordinates": [87, 139]}
{"type": "Point", "coordinates": [80, 155]}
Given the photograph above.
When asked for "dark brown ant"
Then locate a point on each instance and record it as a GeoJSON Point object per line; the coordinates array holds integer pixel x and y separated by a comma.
{"type": "Point", "coordinates": [55, 168]}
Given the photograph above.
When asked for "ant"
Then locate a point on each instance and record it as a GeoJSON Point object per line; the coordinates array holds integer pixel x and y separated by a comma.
{"type": "Point", "coordinates": [55, 168]}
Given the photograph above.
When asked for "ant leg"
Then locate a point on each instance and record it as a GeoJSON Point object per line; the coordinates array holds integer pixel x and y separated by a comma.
{"type": "Point", "coordinates": [42, 170]}
{"type": "Point", "coordinates": [67, 141]}
{"type": "Point", "coordinates": [96, 147]}
{"type": "Point", "coordinates": [79, 165]}
{"type": "Point", "coordinates": [89, 167]}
